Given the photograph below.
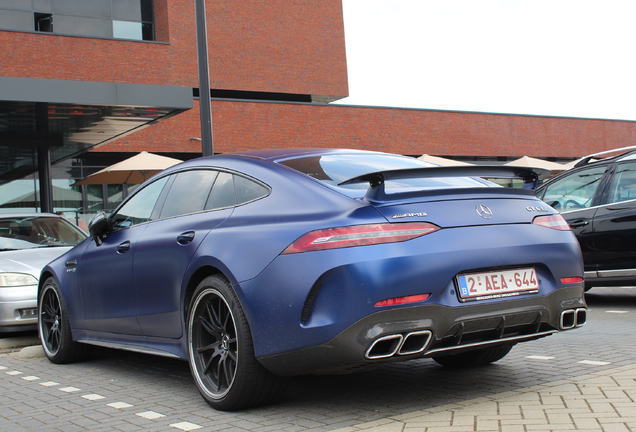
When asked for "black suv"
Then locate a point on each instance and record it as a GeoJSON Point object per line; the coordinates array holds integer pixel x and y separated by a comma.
{"type": "Point", "coordinates": [598, 200]}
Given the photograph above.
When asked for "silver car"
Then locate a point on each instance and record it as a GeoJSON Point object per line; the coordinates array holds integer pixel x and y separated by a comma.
{"type": "Point", "coordinates": [28, 242]}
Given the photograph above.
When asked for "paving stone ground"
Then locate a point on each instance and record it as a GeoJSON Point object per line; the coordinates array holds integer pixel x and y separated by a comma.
{"type": "Point", "coordinates": [578, 380]}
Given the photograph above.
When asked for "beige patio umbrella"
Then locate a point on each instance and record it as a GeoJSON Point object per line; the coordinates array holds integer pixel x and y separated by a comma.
{"type": "Point", "coordinates": [531, 162]}
{"type": "Point", "coordinates": [134, 170]}
{"type": "Point", "coordinates": [441, 161]}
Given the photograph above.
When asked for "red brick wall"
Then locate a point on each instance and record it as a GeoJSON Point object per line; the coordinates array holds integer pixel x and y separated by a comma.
{"type": "Point", "coordinates": [242, 125]}
{"type": "Point", "coordinates": [288, 46]}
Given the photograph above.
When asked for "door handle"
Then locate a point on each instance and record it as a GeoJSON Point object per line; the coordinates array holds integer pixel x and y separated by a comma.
{"type": "Point", "coordinates": [579, 224]}
{"type": "Point", "coordinates": [123, 247]}
{"type": "Point", "coordinates": [185, 238]}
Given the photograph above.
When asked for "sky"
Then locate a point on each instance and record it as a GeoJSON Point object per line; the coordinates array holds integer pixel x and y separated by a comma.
{"type": "Point", "coordinates": [569, 58]}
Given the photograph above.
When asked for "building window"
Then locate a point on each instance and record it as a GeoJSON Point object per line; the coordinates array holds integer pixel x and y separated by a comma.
{"type": "Point", "coordinates": [127, 30]}
{"type": "Point", "coordinates": [108, 19]}
{"type": "Point", "coordinates": [43, 22]}
{"type": "Point", "coordinates": [135, 20]}
{"type": "Point", "coordinates": [147, 20]}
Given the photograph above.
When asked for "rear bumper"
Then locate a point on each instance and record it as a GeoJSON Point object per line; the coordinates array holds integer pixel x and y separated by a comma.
{"type": "Point", "coordinates": [429, 330]}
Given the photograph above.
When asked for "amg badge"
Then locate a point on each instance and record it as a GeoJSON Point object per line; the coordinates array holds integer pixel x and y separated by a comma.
{"type": "Point", "coordinates": [405, 215]}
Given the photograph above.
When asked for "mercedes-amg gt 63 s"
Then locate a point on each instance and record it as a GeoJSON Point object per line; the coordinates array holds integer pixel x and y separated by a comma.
{"type": "Point", "coordinates": [258, 265]}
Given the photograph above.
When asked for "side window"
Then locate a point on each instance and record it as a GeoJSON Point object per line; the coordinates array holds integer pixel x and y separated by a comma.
{"type": "Point", "coordinates": [624, 183]}
{"type": "Point", "coordinates": [222, 194]}
{"type": "Point", "coordinates": [574, 191]}
{"type": "Point", "coordinates": [188, 193]}
{"type": "Point", "coordinates": [139, 208]}
{"type": "Point", "coordinates": [248, 190]}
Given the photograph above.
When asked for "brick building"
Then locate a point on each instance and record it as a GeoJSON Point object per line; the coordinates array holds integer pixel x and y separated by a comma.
{"type": "Point", "coordinates": [84, 84]}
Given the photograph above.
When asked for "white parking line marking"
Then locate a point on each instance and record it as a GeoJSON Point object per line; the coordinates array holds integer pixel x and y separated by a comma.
{"type": "Point", "coordinates": [93, 397]}
{"type": "Point", "coordinates": [30, 378]}
{"type": "Point", "coordinates": [119, 405]}
{"type": "Point", "coordinates": [150, 415]}
{"type": "Point", "coordinates": [616, 311]}
{"type": "Point", "coordinates": [14, 373]}
{"type": "Point", "coordinates": [595, 363]}
{"type": "Point", "coordinates": [186, 426]}
{"type": "Point", "coordinates": [49, 384]}
{"type": "Point", "coordinates": [69, 389]}
{"type": "Point", "coordinates": [537, 357]}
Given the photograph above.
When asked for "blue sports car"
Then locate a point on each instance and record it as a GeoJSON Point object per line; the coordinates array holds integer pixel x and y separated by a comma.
{"type": "Point", "coordinates": [258, 265]}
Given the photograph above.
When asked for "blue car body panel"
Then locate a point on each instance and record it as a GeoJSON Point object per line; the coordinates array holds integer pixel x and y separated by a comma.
{"type": "Point", "coordinates": [133, 290]}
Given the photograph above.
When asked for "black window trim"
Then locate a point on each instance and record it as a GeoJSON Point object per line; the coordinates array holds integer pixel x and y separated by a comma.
{"type": "Point", "coordinates": [156, 212]}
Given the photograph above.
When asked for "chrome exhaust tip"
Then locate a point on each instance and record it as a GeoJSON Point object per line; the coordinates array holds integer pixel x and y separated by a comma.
{"type": "Point", "coordinates": [415, 342]}
{"type": "Point", "coordinates": [384, 347]}
{"type": "Point", "coordinates": [581, 317]}
{"type": "Point", "coordinates": [568, 319]}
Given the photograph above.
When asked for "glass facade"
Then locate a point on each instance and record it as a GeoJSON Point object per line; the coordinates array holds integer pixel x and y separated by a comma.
{"type": "Point", "coordinates": [108, 19]}
{"type": "Point", "coordinates": [78, 203]}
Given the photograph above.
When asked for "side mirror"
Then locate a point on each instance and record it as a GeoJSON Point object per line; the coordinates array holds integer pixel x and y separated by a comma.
{"type": "Point", "coordinates": [98, 227]}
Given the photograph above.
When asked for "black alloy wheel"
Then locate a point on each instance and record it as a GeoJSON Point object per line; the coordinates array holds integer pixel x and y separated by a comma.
{"type": "Point", "coordinates": [54, 327]}
{"type": "Point", "coordinates": [221, 353]}
{"type": "Point", "coordinates": [50, 320]}
{"type": "Point", "coordinates": [214, 342]}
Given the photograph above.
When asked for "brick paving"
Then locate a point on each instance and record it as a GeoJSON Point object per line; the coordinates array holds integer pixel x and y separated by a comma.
{"type": "Point", "coordinates": [578, 380]}
{"type": "Point", "coordinates": [599, 401]}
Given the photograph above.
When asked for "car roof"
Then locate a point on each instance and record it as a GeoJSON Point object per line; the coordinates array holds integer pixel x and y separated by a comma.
{"type": "Point", "coordinates": [284, 153]}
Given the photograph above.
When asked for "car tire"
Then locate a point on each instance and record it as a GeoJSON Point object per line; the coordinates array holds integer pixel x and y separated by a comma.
{"type": "Point", "coordinates": [221, 352]}
{"type": "Point", "coordinates": [54, 327]}
{"type": "Point", "coordinates": [474, 358]}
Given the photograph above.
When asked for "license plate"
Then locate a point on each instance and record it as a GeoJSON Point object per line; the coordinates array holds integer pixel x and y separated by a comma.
{"type": "Point", "coordinates": [497, 284]}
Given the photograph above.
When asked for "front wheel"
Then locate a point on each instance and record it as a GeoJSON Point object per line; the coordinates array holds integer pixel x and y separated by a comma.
{"type": "Point", "coordinates": [54, 327]}
{"type": "Point", "coordinates": [221, 353]}
{"type": "Point", "coordinates": [474, 358]}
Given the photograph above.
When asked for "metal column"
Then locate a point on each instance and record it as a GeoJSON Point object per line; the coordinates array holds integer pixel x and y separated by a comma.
{"type": "Point", "coordinates": [207, 144]}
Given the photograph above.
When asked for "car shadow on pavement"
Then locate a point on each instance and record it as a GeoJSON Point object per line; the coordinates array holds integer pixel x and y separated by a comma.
{"type": "Point", "coordinates": [611, 296]}
{"type": "Point", "coordinates": [389, 388]}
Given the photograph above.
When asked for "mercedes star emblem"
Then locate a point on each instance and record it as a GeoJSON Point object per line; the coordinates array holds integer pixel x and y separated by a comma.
{"type": "Point", "coordinates": [484, 211]}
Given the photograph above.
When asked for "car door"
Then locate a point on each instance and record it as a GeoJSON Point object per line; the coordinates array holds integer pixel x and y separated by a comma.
{"type": "Point", "coordinates": [615, 225]}
{"type": "Point", "coordinates": [167, 245]}
{"type": "Point", "coordinates": [106, 271]}
{"type": "Point", "coordinates": [576, 196]}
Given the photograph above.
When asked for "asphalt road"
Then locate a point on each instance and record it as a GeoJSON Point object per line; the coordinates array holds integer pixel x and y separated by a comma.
{"type": "Point", "coordinates": [118, 390]}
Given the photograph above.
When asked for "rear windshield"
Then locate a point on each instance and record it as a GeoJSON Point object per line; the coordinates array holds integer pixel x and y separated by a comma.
{"type": "Point", "coordinates": [334, 169]}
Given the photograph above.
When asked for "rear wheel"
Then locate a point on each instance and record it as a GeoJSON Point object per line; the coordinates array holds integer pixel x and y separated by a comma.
{"type": "Point", "coordinates": [474, 358]}
{"type": "Point", "coordinates": [221, 352]}
{"type": "Point", "coordinates": [54, 327]}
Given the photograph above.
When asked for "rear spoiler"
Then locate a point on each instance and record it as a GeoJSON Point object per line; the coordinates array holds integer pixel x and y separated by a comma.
{"type": "Point", "coordinates": [376, 180]}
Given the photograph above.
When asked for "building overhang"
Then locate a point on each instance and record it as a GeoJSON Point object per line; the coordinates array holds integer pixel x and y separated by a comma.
{"type": "Point", "coordinates": [71, 117]}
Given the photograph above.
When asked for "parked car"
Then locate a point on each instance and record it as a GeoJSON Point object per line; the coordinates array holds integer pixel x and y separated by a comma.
{"type": "Point", "coordinates": [598, 200]}
{"type": "Point", "coordinates": [27, 243]}
{"type": "Point", "coordinates": [263, 264]}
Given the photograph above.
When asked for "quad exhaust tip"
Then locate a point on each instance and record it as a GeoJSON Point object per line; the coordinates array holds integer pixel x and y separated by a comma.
{"type": "Point", "coordinates": [397, 344]}
{"type": "Point", "coordinates": [573, 318]}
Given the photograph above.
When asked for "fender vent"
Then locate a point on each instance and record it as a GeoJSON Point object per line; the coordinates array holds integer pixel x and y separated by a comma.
{"type": "Point", "coordinates": [309, 302]}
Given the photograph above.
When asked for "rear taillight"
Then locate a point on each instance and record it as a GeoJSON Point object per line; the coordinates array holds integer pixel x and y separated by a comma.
{"type": "Point", "coordinates": [359, 235]}
{"type": "Point", "coordinates": [554, 221]}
